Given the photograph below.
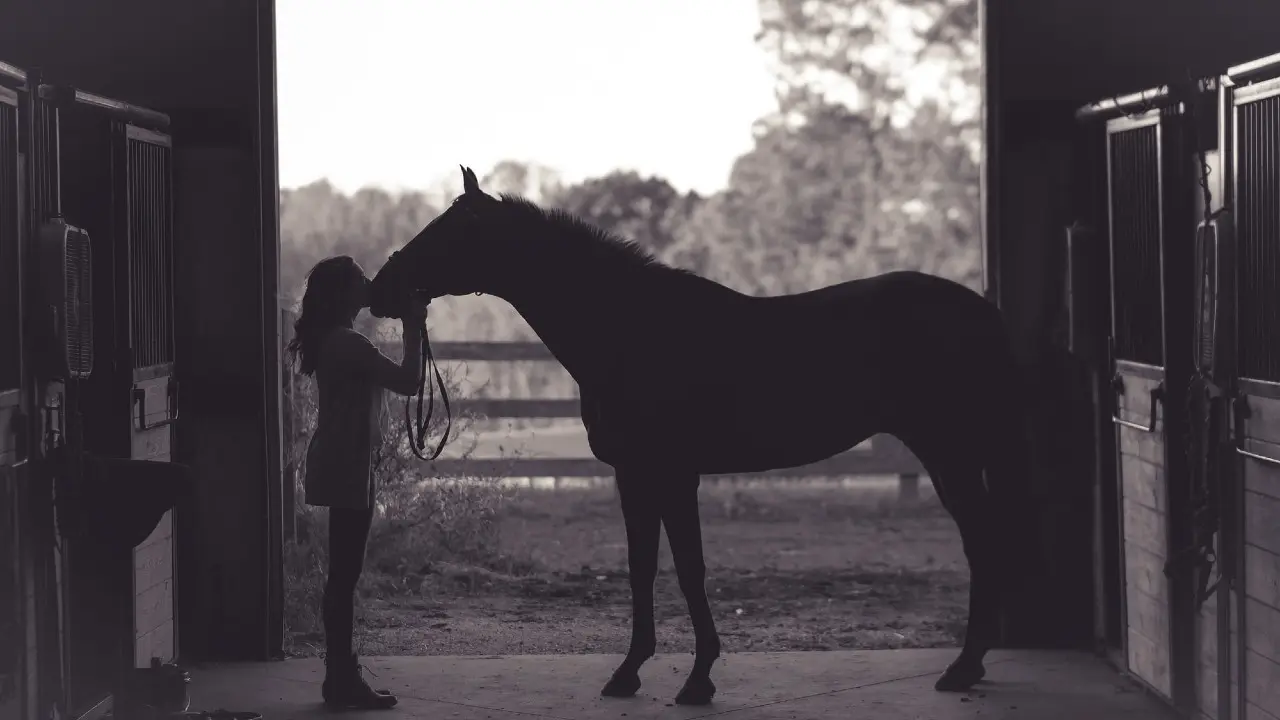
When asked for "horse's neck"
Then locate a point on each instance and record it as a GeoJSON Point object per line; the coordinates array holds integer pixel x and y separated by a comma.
{"type": "Point", "coordinates": [574, 315]}
{"type": "Point", "coordinates": [565, 327]}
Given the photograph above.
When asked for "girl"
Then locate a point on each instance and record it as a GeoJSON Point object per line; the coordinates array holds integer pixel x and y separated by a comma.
{"type": "Point", "coordinates": [351, 374]}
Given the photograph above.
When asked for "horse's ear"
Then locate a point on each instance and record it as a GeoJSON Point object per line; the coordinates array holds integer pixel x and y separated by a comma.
{"type": "Point", "coordinates": [470, 184]}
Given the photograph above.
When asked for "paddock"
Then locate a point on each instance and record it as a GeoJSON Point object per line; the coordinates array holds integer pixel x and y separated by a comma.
{"type": "Point", "coordinates": [150, 128]}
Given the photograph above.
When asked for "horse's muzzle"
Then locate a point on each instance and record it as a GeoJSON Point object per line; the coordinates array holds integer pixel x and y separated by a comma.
{"type": "Point", "coordinates": [393, 305]}
{"type": "Point", "coordinates": [382, 309]}
{"type": "Point", "coordinates": [386, 302]}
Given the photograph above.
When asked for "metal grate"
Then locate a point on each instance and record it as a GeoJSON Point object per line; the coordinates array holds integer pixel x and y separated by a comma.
{"type": "Point", "coordinates": [1135, 244]}
{"type": "Point", "coordinates": [45, 156]}
{"type": "Point", "coordinates": [1258, 238]}
{"type": "Point", "coordinates": [150, 252]}
{"type": "Point", "coordinates": [78, 274]}
{"type": "Point", "coordinates": [10, 345]}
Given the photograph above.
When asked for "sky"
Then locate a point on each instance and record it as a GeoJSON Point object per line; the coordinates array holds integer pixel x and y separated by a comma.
{"type": "Point", "coordinates": [398, 93]}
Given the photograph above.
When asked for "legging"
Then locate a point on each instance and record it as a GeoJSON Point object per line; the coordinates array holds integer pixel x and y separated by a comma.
{"type": "Point", "coordinates": [348, 533]}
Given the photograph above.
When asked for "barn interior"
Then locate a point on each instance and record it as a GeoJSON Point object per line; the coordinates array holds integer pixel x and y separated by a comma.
{"type": "Point", "coordinates": [1129, 156]}
{"type": "Point", "coordinates": [207, 584]}
{"type": "Point", "coordinates": [164, 119]}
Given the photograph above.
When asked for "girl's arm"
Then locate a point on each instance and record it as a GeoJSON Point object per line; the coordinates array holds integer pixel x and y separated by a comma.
{"type": "Point", "coordinates": [403, 377]}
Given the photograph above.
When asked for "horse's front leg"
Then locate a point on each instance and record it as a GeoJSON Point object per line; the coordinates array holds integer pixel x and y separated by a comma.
{"type": "Point", "coordinates": [640, 512]}
{"type": "Point", "coordinates": [684, 533]}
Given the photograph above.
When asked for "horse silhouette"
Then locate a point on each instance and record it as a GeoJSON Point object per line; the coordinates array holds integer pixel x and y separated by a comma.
{"type": "Point", "coordinates": [680, 376]}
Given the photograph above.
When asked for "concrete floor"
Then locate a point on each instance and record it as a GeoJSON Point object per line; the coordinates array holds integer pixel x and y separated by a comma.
{"type": "Point", "coordinates": [880, 684]}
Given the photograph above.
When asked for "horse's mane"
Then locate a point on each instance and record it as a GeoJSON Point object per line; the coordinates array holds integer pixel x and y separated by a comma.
{"type": "Point", "coordinates": [578, 234]}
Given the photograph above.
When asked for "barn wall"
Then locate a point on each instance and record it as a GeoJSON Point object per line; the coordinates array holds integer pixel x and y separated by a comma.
{"type": "Point", "coordinates": [1034, 179]}
{"type": "Point", "coordinates": [199, 61]}
{"type": "Point", "coordinates": [1049, 58]}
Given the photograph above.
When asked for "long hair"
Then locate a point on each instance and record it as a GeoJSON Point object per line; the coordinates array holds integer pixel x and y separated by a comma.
{"type": "Point", "coordinates": [326, 303]}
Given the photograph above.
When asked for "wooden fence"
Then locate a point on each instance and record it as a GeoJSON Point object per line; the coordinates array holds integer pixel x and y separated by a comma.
{"type": "Point", "coordinates": [882, 455]}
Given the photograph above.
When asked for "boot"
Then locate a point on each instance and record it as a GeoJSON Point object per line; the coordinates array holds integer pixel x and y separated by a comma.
{"type": "Point", "coordinates": [345, 687]}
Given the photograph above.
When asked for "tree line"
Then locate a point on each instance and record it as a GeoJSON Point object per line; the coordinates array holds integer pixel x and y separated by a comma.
{"type": "Point", "coordinates": [856, 173]}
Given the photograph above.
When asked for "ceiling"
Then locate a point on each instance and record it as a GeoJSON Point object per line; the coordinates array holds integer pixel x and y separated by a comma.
{"type": "Point", "coordinates": [1078, 51]}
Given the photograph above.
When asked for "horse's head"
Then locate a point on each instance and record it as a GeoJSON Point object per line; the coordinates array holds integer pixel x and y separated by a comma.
{"type": "Point", "coordinates": [457, 253]}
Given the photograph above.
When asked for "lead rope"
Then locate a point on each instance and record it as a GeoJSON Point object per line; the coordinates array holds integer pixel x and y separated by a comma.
{"type": "Point", "coordinates": [417, 442]}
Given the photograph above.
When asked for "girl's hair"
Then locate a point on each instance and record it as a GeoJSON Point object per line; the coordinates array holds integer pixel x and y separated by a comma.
{"type": "Point", "coordinates": [326, 303]}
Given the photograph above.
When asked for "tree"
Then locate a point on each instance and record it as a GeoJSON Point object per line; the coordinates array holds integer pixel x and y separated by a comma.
{"type": "Point", "coordinates": [533, 181]}
{"type": "Point", "coordinates": [858, 172]}
{"type": "Point", "coordinates": [858, 53]}
{"type": "Point", "coordinates": [647, 210]}
{"type": "Point", "coordinates": [317, 221]}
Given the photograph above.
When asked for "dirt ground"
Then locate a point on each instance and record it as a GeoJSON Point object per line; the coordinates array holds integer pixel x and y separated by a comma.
{"type": "Point", "coordinates": [788, 569]}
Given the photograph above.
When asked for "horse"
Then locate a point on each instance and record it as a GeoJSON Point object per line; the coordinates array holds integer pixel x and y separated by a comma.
{"type": "Point", "coordinates": [677, 378]}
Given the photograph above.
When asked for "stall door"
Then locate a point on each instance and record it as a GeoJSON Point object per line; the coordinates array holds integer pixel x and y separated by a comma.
{"type": "Point", "coordinates": [149, 231]}
{"type": "Point", "coordinates": [1149, 243]}
{"type": "Point", "coordinates": [114, 183]}
{"type": "Point", "coordinates": [1253, 110]}
{"type": "Point", "coordinates": [13, 640]}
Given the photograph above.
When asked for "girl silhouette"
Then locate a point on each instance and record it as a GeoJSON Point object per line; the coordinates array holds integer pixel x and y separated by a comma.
{"type": "Point", "coordinates": [351, 374]}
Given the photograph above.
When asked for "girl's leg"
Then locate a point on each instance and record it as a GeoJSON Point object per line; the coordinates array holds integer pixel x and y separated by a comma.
{"type": "Point", "coordinates": [344, 686]}
{"type": "Point", "coordinates": [348, 534]}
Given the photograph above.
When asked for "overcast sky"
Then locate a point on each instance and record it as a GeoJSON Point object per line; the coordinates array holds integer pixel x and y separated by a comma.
{"type": "Point", "coordinates": [397, 93]}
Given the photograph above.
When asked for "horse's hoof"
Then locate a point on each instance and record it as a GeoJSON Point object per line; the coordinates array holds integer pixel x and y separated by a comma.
{"type": "Point", "coordinates": [621, 686]}
{"type": "Point", "coordinates": [960, 677]}
{"type": "Point", "coordinates": [696, 691]}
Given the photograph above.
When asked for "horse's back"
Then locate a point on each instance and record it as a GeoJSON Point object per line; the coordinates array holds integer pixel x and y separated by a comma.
{"type": "Point", "coordinates": [944, 359]}
{"type": "Point", "coordinates": [843, 361]}
{"type": "Point", "coordinates": [895, 321]}
{"type": "Point", "coordinates": [758, 382]}
{"type": "Point", "coordinates": [917, 340]}
{"type": "Point", "coordinates": [882, 330]}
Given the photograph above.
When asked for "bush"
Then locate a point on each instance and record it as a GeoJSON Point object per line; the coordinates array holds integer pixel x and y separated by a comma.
{"type": "Point", "coordinates": [417, 521]}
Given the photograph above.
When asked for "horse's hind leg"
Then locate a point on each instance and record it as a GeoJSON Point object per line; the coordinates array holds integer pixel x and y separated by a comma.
{"type": "Point", "coordinates": [640, 512]}
{"type": "Point", "coordinates": [684, 533]}
{"type": "Point", "coordinates": [966, 501]}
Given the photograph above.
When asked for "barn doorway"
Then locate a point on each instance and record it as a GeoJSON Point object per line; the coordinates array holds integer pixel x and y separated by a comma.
{"type": "Point", "coordinates": [521, 548]}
